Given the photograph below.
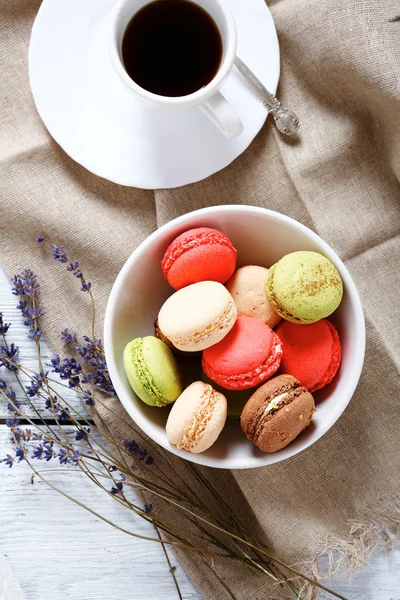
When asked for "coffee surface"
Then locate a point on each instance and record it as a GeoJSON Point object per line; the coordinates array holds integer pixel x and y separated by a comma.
{"type": "Point", "coordinates": [172, 48]}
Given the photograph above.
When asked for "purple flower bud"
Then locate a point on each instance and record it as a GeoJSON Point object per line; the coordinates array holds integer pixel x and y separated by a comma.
{"type": "Point", "coordinates": [59, 254]}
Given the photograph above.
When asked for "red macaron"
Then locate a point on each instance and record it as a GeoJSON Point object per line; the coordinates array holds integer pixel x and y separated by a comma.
{"type": "Point", "coordinates": [201, 254]}
{"type": "Point", "coordinates": [312, 353]}
{"type": "Point", "coordinates": [249, 355]}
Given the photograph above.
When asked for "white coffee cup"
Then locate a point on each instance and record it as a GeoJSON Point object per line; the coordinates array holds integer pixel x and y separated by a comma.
{"type": "Point", "coordinates": [209, 99]}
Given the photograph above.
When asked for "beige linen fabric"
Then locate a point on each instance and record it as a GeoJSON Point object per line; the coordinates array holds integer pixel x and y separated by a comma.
{"type": "Point", "coordinates": [340, 72]}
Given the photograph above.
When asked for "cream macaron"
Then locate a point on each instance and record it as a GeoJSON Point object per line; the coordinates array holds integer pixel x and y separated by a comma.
{"type": "Point", "coordinates": [247, 288]}
{"type": "Point", "coordinates": [197, 418]}
{"type": "Point", "coordinates": [198, 316]}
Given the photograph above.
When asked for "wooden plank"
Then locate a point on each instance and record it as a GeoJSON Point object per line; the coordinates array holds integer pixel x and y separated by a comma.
{"type": "Point", "coordinates": [28, 355]}
{"type": "Point", "coordinates": [56, 550]}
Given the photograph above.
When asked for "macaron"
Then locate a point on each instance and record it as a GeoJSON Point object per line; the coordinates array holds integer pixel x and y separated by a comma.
{"type": "Point", "coordinates": [247, 288]}
{"type": "Point", "coordinates": [197, 316]}
{"type": "Point", "coordinates": [197, 418]}
{"type": "Point", "coordinates": [159, 334]}
{"type": "Point", "coordinates": [201, 254]}
{"type": "Point", "coordinates": [304, 287]}
{"type": "Point", "coordinates": [276, 413]}
{"type": "Point", "coordinates": [180, 355]}
{"type": "Point", "coordinates": [152, 371]}
{"type": "Point", "coordinates": [249, 355]}
{"type": "Point", "coordinates": [312, 352]}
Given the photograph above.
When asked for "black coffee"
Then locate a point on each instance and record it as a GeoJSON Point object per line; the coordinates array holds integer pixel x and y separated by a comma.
{"type": "Point", "coordinates": [172, 47]}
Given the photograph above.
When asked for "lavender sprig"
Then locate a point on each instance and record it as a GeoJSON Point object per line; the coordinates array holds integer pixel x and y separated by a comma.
{"type": "Point", "coordinates": [92, 355]}
{"type": "Point", "coordinates": [60, 255]}
{"type": "Point", "coordinates": [26, 287]}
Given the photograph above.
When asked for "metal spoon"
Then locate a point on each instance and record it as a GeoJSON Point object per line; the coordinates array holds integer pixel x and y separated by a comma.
{"type": "Point", "coordinates": [285, 120]}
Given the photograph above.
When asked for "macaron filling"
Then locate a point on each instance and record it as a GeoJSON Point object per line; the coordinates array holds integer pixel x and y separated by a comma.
{"type": "Point", "coordinates": [252, 378]}
{"type": "Point", "coordinates": [223, 322]}
{"type": "Point", "coordinates": [143, 373]}
{"type": "Point", "coordinates": [200, 420]}
{"type": "Point", "coordinates": [271, 405]}
{"type": "Point", "coordinates": [197, 239]}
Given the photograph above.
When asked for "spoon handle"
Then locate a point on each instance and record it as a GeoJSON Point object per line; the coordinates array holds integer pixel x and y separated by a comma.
{"type": "Point", "coordinates": [285, 120]}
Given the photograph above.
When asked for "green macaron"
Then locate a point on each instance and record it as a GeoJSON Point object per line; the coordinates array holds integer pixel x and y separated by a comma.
{"type": "Point", "coordinates": [152, 371]}
{"type": "Point", "coordinates": [304, 287]}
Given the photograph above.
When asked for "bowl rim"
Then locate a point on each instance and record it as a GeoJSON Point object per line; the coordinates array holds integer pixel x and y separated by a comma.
{"type": "Point", "coordinates": [349, 285]}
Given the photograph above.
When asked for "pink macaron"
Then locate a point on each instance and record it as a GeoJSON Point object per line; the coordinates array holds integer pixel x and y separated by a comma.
{"type": "Point", "coordinates": [249, 355]}
{"type": "Point", "coordinates": [201, 254]}
{"type": "Point", "coordinates": [312, 352]}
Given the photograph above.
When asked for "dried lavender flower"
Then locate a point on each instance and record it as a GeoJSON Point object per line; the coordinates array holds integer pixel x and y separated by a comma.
{"type": "Point", "coordinates": [36, 383]}
{"type": "Point", "coordinates": [38, 452]}
{"type": "Point", "coordinates": [59, 253]}
{"type": "Point", "coordinates": [26, 287]}
{"type": "Point", "coordinates": [68, 337]}
{"type": "Point", "coordinates": [82, 434]}
{"type": "Point", "coordinates": [117, 489]}
{"type": "Point", "coordinates": [68, 369]}
{"type": "Point", "coordinates": [133, 447]}
{"type": "Point", "coordinates": [92, 353]}
{"type": "Point", "coordinates": [4, 327]}
{"type": "Point", "coordinates": [61, 256]}
{"type": "Point", "coordinates": [88, 397]}
{"type": "Point", "coordinates": [9, 460]}
{"type": "Point", "coordinates": [67, 455]}
{"type": "Point", "coordinates": [73, 267]}
{"type": "Point", "coordinates": [8, 357]}
{"type": "Point", "coordinates": [13, 406]}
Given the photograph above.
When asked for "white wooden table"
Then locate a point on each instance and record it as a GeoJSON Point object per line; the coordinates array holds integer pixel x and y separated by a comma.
{"type": "Point", "coordinates": [56, 550]}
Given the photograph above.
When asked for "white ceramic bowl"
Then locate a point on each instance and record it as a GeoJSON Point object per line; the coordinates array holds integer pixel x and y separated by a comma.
{"type": "Point", "coordinates": [261, 237]}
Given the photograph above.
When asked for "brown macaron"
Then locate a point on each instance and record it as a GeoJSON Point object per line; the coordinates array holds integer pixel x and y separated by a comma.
{"type": "Point", "coordinates": [277, 412]}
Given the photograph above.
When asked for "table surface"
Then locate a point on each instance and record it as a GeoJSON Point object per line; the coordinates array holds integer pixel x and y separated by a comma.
{"type": "Point", "coordinates": [58, 551]}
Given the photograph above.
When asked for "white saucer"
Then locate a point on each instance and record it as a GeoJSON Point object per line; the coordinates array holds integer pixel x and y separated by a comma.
{"type": "Point", "coordinates": [101, 126]}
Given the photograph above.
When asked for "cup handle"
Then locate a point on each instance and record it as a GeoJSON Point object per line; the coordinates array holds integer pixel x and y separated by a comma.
{"type": "Point", "coordinates": [221, 113]}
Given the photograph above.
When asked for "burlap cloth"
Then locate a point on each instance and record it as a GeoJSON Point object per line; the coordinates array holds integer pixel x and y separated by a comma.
{"type": "Point", "coordinates": [340, 71]}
